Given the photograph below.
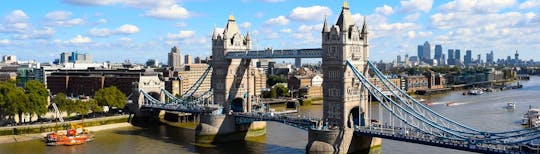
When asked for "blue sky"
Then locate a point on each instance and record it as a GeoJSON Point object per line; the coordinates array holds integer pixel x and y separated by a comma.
{"type": "Point", "coordinates": [117, 30]}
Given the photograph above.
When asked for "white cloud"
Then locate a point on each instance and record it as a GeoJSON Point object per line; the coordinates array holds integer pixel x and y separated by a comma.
{"type": "Point", "coordinates": [181, 35]}
{"type": "Point", "coordinates": [102, 21]}
{"type": "Point", "coordinates": [44, 33]}
{"type": "Point", "coordinates": [245, 25]}
{"type": "Point", "coordinates": [529, 4]}
{"type": "Point", "coordinates": [16, 16]}
{"type": "Point", "coordinates": [476, 6]}
{"type": "Point", "coordinates": [127, 29]}
{"type": "Point", "coordinates": [15, 22]}
{"type": "Point", "coordinates": [286, 30]}
{"type": "Point", "coordinates": [310, 28]}
{"type": "Point", "coordinates": [92, 2]}
{"type": "Point", "coordinates": [58, 15]}
{"type": "Point", "coordinates": [416, 5]}
{"type": "Point", "coordinates": [4, 41]}
{"type": "Point", "coordinates": [80, 40]}
{"type": "Point", "coordinates": [280, 20]}
{"type": "Point", "coordinates": [411, 34]}
{"type": "Point", "coordinates": [99, 32]}
{"type": "Point", "coordinates": [105, 32]}
{"type": "Point", "coordinates": [313, 13]}
{"type": "Point", "coordinates": [412, 17]}
{"type": "Point", "coordinates": [172, 12]}
{"type": "Point", "coordinates": [384, 10]}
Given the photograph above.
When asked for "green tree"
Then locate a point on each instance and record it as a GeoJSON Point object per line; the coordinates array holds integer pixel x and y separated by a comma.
{"type": "Point", "coordinates": [94, 107]}
{"type": "Point", "coordinates": [281, 91]}
{"type": "Point", "coordinates": [81, 107]}
{"type": "Point", "coordinates": [17, 102]}
{"type": "Point", "coordinates": [274, 79]}
{"type": "Point", "coordinates": [63, 103]}
{"type": "Point", "coordinates": [37, 97]}
{"type": "Point", "coordinates": [110, 96]}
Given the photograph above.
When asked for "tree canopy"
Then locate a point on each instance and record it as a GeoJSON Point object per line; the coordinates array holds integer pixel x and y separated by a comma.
{"type": "Point", "coordinates": [110, 96]}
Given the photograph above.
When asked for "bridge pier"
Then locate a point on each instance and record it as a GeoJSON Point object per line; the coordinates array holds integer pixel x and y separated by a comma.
{"type": "Point", "coordinates": [223, 128]}
{"type": "Point", "coordinates": [339, 141]}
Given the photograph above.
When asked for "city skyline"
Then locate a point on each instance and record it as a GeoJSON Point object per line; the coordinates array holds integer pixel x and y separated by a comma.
{"type": "Point", "coordinates": [141, 30]}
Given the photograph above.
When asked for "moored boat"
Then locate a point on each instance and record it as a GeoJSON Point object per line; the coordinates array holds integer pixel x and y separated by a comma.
{"type": "Point", "coordinates": [531, 118]}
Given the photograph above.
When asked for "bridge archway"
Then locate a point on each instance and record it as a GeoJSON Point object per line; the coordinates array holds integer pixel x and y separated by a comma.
{"type": "Point", "coordinates": [237, 104]}
{"type": "Point", "coordinates": [356, 117]}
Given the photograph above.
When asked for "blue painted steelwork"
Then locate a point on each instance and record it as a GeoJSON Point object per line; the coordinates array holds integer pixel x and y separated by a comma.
{"type": "Point", "coordinates": [284, 53]}
{"type": "Point", "coordinates": [422, 125]}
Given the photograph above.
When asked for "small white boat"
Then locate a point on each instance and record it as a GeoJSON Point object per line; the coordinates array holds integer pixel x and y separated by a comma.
{"type": "Point", "coordinates": [510, 105]}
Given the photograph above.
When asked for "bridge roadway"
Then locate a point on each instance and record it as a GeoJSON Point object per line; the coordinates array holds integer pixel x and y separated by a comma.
{"type": "Point", "coordinates": [282, 53]}
{"type": "Point", "coordinates": [303, 122]}
{"type": "Point", "coordinates": [412, 136]}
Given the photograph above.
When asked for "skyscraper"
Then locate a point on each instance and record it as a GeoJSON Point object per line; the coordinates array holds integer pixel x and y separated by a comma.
{"type": "Point", "coordinates": [451, 56]}
{"type": "Point", "coordinates": [174, 58]}
{"type": "Point", "coordinates": [490, 58]}
{"type": "Point", "coordinates": [420, 51]}
{"type": "Point", "coordinates": [468, 58]}
{"type": "Point", "coordinates": [457, 57]}
{"type": "Point", "coordinates": [438, 54]}
{"type": "Point", "coordinates": [188, 59]}
{"type": "Point", "coordinates": [427, 51]}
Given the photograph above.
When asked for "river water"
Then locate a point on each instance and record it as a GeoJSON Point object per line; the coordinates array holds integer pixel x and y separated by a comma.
{"type": "Point", "coordinates": [484, 112]}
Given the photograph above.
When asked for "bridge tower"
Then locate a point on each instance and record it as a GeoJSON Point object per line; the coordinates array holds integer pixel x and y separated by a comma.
{"type": "Point", "coordinates": [229, 75]}
{"type": "Point", "coordinates": [343, 97]}
{"type": "Point", "coordinates": [232, 89]}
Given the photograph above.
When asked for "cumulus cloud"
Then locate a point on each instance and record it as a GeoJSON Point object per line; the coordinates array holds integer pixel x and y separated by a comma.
{"type": "Point", "coordinates": [172, 12]}
{"type": "Point", "coordinates": [280, 20]}
{"type": "Point", "coordinates": [15, 22]}
{"type": "Point", "coordinates": [476, 6]}
{"type": "Point", "coordinates": [313, 13]}
{"type": "Point", "coordinates": [286, 30]}
{"type": "Point", "coordinates": [529, 4]}
{"type": "Point", "coordinates": [127, 29]}
{"type": "Point", "coordinates": [181, 34]}
{"type": "Point", "coordinates": [16, 16]}
{"type": "Point", "coordinates": [99, 32]}
{"type": "Point", "coordinates": [80, 40]}
{"type": "Point", "coordinates": [245, 25]}
{"type": "Point", "coordinates": [4, 41]}
{"type": "Point", "coordinates": [384, 10]}
{"type": "Point", "coordinates": [412, 17]}
{"type": "Point", "coordinates": [105, 32]}
{"type": "Point", "coordinates": [416, 5]}
{"type": "Point", "coordinates": [58, 15]}
{"type": "Point", "coordinates": [62, 18]}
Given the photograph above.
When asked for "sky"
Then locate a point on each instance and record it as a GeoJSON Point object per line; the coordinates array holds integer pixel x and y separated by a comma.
{"type": "Point", "coordinates": [137, 30]}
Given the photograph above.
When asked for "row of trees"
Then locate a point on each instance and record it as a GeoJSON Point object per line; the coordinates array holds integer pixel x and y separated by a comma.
{"type": "Point", "coordinates": [109, 96]}
{"type": "Point", "coordinates": [32, 99]}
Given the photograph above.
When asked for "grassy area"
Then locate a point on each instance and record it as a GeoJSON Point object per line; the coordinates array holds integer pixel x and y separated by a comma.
{"type": "Point", "coordinates": [48, 128]}
{"type": "Point", "coordinates": [309, 101]}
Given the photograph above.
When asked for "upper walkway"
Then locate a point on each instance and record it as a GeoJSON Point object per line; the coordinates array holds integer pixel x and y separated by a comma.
{"type": "Point", "coordinates": [273, 54]}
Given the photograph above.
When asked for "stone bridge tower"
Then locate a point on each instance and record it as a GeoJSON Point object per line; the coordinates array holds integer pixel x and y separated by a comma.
{"type": "Point", "coordinates": [343, 96]}
{"type": "Point", "coordinates": [228, 75]}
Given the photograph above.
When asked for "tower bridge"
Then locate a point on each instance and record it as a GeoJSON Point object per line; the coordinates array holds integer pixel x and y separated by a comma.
{"type": "Point", "coordinates": [347, 124]}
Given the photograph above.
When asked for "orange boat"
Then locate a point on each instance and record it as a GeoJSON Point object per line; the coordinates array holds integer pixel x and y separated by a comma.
{"type": "Point", "coordinates": [71, 138]}
{"type": "Point", "coordinates": [74, 136]}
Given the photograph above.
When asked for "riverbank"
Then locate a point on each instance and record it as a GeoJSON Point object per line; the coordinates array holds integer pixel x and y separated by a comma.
{"type": "Point", "coordinates": [27, 137]}
{"type": "Point", "coordinates": [31, 132]}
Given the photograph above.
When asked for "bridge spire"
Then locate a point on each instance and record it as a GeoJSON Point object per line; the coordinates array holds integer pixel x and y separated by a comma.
{"type": "Point", "coordinates": [345, 19]}
{"type": "Point", "coordinates": [364, 27]}
{"type": "Point", "coordinates": [325, 26]}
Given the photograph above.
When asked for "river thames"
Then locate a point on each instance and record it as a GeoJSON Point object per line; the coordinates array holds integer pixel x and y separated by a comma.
{"type": "Point", "coordinates": [484, 112]}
